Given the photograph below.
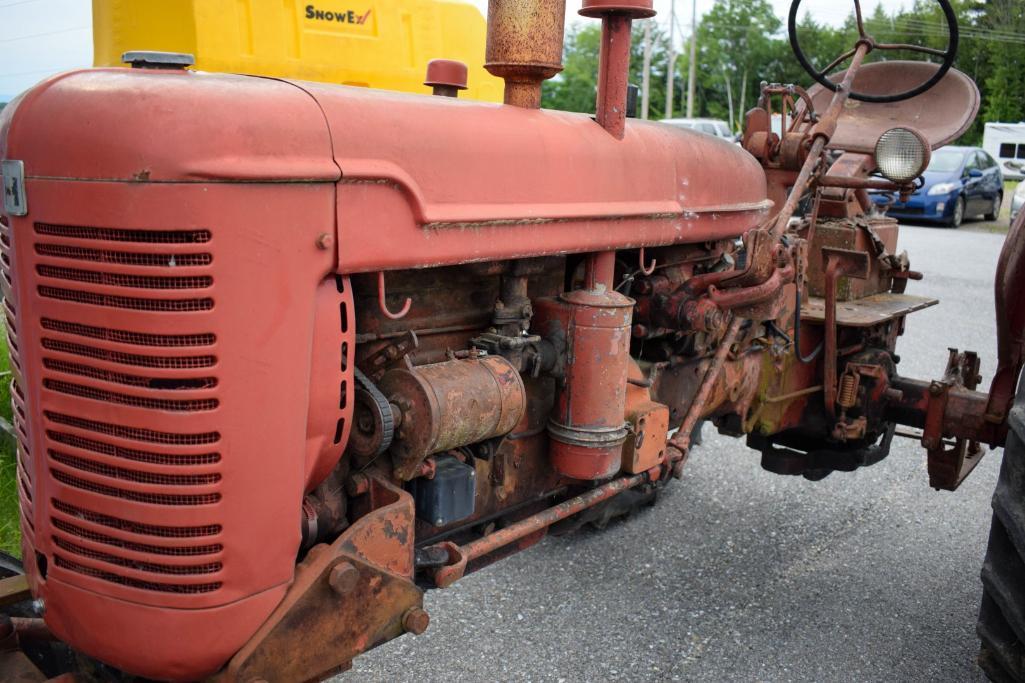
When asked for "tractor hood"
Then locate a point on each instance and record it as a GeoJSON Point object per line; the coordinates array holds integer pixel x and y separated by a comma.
{"type": "Point", "coordinates": [452, 181]}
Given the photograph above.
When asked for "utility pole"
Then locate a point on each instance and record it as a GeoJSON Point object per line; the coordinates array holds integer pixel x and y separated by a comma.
{"type": "Point", "coordinates": [646, 74]}
{"type": "Point", "coordinates": [692, 73]}
{"type": "Point", "coordinates": [672, 60]}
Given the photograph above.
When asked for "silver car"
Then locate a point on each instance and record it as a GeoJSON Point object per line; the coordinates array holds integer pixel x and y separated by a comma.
{"type": "Point", "coordinates": [714, 127]}
{"type": "Point", "coordinates": [1018, 200]}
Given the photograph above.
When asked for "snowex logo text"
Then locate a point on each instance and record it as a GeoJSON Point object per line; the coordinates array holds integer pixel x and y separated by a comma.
{"type": "Point", "coordinates": [350, 17]}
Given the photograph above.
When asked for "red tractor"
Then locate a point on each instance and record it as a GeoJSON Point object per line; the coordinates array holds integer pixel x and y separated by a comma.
{"type": "Point", "coordinates": [288, 354]}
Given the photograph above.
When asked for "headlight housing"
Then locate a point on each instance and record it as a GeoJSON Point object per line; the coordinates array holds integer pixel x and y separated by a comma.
{"type": "Point", "coordinates": [943, 188]}
{"type": "Point", "coordinates": [902, 154]}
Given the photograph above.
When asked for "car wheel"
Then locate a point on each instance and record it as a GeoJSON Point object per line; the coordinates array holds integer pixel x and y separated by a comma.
{"type": "Point", "coordinates": [1001, 626]}
{"type": "Point", "coordinates": [994, 212]}
{"type": "Point", "coordinates": [957, 215]}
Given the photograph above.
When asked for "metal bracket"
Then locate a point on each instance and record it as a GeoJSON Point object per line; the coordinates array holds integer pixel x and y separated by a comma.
{"type": "Point", "coordinates": [392, 353]}
{"type": "Point", "coordinates": [15, 200]}
{"type": "Point", "coordinates": [837, 263]}
{"type": "Point", "coordinates": [344, 599]}
{"type": "Point", "coordinates": [948, 467]}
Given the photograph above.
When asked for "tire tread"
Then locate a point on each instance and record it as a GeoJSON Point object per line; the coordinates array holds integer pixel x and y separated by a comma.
{"type": "Point", "coordinates": [1001, 626]}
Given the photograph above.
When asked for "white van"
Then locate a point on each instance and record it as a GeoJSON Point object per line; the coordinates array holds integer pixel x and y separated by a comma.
{"type": "Point", "coordinates": [1005, 142]}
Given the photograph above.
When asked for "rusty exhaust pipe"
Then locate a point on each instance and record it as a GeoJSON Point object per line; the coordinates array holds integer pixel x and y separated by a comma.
{"type": "Point", "coordinates": [459, 556]}
{"type": "Point", "coordinates": [614, 60]}
{"type": "Point", "coordinates": [525, 46]}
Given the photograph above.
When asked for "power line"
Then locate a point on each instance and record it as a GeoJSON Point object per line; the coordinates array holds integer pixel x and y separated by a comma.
{"type": "Point", "coordinates": [21, 2]}
{"type": "Point", "coordinates": [52, 70]}
{"type": "Point", "coordinates": [46, 33]}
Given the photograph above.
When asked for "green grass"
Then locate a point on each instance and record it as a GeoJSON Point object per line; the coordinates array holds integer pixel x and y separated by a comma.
{"type": "Point", "coordinates": [10, 531]}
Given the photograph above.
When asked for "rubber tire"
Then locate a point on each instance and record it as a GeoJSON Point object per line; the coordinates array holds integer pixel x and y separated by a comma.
{"type": "Point", "coordinates": [998, 204]}
{"type": "Point", "coordinates": [955, 221]}
{"type": "Point", "coordinates": [1001, 626]}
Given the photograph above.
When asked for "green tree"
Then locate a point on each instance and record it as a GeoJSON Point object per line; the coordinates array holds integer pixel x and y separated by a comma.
{"type": "Point", "coordinates": [741, 43]}
{"type": "Point", "coordinates": [1001, 24]}
{"type": "Point", "coordinates": [575, 89]}
{"type": "Point", "coordinates": [736, 40]}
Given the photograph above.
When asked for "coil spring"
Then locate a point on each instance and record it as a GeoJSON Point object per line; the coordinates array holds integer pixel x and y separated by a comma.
{"type": "Point", "coordinates": [848, 391]}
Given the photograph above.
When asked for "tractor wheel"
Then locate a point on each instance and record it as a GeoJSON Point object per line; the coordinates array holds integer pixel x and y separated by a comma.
{"type": "Point", "coordinates": [1002, 615]}
{"type": "Point", "coordinates": [994, 211]}
{"type": "Point", "coordinates": [957, 215]}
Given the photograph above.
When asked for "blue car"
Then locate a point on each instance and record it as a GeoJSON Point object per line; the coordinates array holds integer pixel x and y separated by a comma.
{"type": "Point", "coordinates": [960, 182]}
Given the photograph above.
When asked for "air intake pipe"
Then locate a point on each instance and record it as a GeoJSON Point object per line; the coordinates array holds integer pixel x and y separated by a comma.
{"type": "Point", "coordinates": [614, 61]}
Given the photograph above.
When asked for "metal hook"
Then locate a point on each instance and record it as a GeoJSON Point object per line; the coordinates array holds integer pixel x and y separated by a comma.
{"type": "Point", "coordinates": [383, 305]}
{"type": "Point", "coordinates": [647, 270]}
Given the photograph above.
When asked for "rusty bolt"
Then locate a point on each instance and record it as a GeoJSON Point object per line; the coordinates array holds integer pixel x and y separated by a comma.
{"type": "Point", "coordinates": [357, 485]}
{"type": "Point", "coordinates": [343, 578]}
{"type": "Point", "coordinates": [324, 241]}
{"type": "Point", "coordinates": [396, 414]}
{"type": "Point", "coordinates": [935, 388]}
{"type": "Point", "coordinates": [415, 620]}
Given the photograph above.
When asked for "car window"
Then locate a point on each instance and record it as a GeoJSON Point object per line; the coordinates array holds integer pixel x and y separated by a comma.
{"type": "Point", "coordinates": [946, 162]}
{"type": "Point", "coordinates": [973, 162]}
{"type": "Point", "coordinates": [706, 128]}
{"type": "Point", "coordinates": [987, 160]}
{"type": "Point", "coordinates": [724, 131]}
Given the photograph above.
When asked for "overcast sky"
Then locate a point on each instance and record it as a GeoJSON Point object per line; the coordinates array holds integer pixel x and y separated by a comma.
{"type": "Point", "coordinates": [39, 38]}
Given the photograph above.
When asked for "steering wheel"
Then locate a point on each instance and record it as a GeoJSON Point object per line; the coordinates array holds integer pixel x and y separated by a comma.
{"type": "Point", "coordinates": [948, 55]}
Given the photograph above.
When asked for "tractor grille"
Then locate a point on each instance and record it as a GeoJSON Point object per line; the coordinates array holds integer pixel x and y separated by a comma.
{"type": "Point", "coordinates": [20, 420]}
{"type": "Point", "coordinates": [104, 344]}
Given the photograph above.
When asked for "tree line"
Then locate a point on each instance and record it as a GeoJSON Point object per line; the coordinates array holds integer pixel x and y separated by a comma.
{"type": "Point", "coordinates": [742, 43]}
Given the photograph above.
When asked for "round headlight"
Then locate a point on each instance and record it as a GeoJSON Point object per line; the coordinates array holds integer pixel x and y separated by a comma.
{"type": "Point", "coordinates": [902, 154]}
